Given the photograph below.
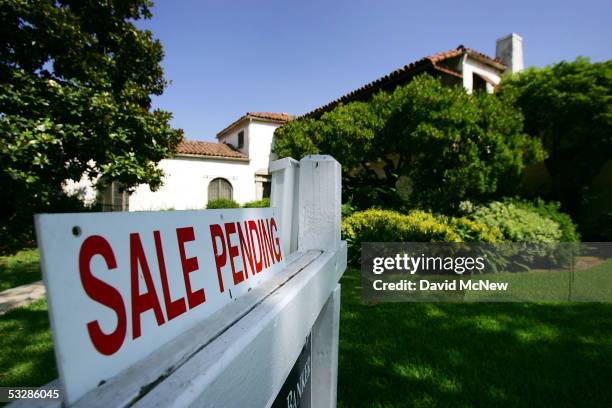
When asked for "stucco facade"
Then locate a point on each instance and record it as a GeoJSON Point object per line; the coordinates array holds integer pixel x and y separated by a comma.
{"type": "Point", "coordinates": [188, 175]}
{"type": "Point", "coordinates": [186, 184]}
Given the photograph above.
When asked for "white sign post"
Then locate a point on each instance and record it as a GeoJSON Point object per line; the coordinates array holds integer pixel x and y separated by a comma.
{"type": "Point", "coordinates": [201, 308]}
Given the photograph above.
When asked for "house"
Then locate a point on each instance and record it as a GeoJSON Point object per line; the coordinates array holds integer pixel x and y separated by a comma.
{"type": "Point", "coordinates": [236, 166]}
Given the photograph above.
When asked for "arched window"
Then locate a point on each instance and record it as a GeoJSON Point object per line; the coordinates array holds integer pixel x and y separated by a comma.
{"type": "Point", "coordinates": [219, 188]}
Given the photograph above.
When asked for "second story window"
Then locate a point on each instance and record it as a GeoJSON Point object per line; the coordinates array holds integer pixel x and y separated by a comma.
{"type": "Point", "coordinates": [478, 83]}
{"type": "Point", "coordinates": [241, 139]}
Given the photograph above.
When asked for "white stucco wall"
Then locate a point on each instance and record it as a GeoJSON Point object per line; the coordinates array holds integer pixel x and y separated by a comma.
{"type": "Point", "coordinates": [258, 137]}
{"type": "Point", "coordinates": [259, 144]}
{"type": "Point", "coordinates": [471, 67]}
{"type": "Point", "coordinates": [232, 137]}
{"type": "Point", "coordinates": [186, 183]}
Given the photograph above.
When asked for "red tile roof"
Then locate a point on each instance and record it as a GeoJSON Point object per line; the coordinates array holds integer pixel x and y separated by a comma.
{"type": "Point", "coordinates": [472, 52]}
{"type": "Point", "coordinates": [265, 116]}
{"type": "Point", "coordinates": [209, 149]}
{"type": "Point", "coordinates": [429, 63]}
{"type": "Point", "coordinates": [281, 117]}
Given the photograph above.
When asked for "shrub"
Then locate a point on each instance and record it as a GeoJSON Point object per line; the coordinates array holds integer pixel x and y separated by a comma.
{"type": "Point", "coordinates": [222, 203]}
{"type": "Point", "coordinates": [387, 226]}
{"type": "Point", "coordinates": [417, 226]}
{"type": "Point", "coordinates": [472, 231]}
{"type": "Point", "coordinates": [518, 224]}
{"type": "Point", "coordinates": [536, 233]}
{"type": "Point", "coordinates": [551, 211]}
{"type": "Point", "coordinates": [347, 209]}
{"type": "Point", "coordinates": [493, 223]}
{"type": "Point", "coordinates": [263, 203]}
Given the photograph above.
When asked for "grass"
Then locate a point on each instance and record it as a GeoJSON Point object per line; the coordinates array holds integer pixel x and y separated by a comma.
{"type": "Point", "coordinates": [594, 283]}
{"type": "Point", "coordinates": [418, 354]}
{"type": "Point", "coordinates": [27, 358]}
{"type": "Point", "coordinates": [473, 354]}
{"type": "Point", "coordinates": [19, 269]}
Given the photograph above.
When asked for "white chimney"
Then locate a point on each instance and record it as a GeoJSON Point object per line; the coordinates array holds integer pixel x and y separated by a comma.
{"type": "Point", "coordinates": [509, 50]}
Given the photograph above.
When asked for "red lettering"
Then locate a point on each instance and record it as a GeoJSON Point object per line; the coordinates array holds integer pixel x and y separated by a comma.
{"type": "Point", "coordinates": [277, 247]}
{"type": "Point", "coordinates": [265, 243]}
{"type": "Point", "coordinates": [173, 308]}
{"type": "Point", "coordinates": [148, 300]}
{"type": "Point", "coordinates": [103, 293]}
{"type": "Point", "coordinates": [258, 262]}
{"type": "Point", "coordinates": [245, 248]}
{"type": "Point", "coordinates": [271, 244]}
{"type": "Point", "coordinates": [220, 257]}
{"type": "Point", "coordinates": [230, 228]}
{"type": "Point", "coordinates": [189, 265]}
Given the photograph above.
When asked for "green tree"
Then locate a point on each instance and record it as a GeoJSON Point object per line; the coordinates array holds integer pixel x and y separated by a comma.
{"type": "Point", "coordinates": [76, 79]}
{"type": "Point", "coordinates": [422, 145]}
{"type": "Point", "coordinates": [569, 107]}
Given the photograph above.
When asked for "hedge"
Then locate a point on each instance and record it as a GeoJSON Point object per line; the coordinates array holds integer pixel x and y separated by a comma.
{"type": "Point", "coordinates": [222, 203]}
{"type": "Point", "coordinates": [263, 203]}
{"type": "Point", "coordinates": [551, 210]}
{"type": "Point", "coordinates": [376, 225]}
{"type": "Point", "coordinates": [517, 222]}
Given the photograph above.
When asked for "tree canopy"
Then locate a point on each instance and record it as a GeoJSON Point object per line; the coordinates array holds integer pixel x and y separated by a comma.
{"type": "Point", "coordinates": [569, 107]}
{"type": "Point", "coordinates": [423, 145]}
{"type": "Point", "coordinates": [76, 79]}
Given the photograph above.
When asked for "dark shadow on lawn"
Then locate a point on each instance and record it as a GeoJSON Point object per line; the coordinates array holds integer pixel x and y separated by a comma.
{"type": "Point", "coordinates": [27, 358]}
{"type": "Point", "coordinates": [473, 355]}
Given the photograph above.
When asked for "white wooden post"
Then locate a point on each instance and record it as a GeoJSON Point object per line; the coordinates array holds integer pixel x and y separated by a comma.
{"type": "Point", "coordinates": [282, 197]}
{"type": "Point", "coordinates": [319, 228]}
{"type": "Point", "coordinates": [319, 203]}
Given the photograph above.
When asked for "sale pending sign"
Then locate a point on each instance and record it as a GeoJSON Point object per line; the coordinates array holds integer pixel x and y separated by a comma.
{"type": "Point", "coordinates": [121, 285]}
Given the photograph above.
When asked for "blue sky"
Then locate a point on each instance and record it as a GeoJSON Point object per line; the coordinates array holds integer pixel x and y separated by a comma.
{"type": "Point", "coordinates": [225, 58]}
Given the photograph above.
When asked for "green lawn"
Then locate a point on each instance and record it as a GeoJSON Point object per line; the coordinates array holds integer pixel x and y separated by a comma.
{"type": "Point", "coordinates": [418, 354]}
{"type": "Point", "coordinates": [473, 355]}
{"type": "Point", "coordinates": [27, 349]}
{"type": "Point", "coordinates": [19, 269]}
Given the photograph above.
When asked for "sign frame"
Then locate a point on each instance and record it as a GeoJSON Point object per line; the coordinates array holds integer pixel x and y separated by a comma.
{"type": "Point", "coordinates": [81, 276]}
